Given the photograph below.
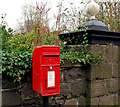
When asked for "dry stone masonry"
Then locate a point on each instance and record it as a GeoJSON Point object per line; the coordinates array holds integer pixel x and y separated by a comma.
{"type": "Point", "coordinates": [80, 85]}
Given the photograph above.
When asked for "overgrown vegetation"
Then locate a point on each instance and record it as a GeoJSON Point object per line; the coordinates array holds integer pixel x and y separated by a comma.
{"type": "Point", "coordinates": [109, 14]}
{"type": "Point", "coordinates": [17, 48]}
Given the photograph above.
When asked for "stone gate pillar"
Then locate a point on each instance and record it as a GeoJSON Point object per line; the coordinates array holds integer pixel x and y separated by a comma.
{"type": "Point", "coordinates": [103, 84]}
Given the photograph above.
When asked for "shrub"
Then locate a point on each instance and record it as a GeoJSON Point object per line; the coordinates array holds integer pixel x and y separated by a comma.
{"type": "Point", "coordinates": [16, 53]}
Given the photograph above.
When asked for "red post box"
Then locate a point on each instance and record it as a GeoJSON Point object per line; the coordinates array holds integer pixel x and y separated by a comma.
{"type": "Point", "coordinates": [46, 70]}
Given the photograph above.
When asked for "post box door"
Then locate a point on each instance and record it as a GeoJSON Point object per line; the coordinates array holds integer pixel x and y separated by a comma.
{"type": "Point", "coordinates": [50, 80]}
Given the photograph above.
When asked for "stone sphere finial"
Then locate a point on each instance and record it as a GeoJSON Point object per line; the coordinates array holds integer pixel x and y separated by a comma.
{"type": "Point", "coordinates": [92, 9]}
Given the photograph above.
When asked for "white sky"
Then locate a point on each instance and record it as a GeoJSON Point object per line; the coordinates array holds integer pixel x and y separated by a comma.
{"type": "Point", "coordinates": [13, 8]}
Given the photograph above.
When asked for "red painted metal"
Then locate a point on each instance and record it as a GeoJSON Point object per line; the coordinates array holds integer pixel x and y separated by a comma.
{"type": "Point", "coordinates": [46, 70]}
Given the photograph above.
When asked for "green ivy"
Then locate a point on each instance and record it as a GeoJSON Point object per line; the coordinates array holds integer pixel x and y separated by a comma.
{"type": "Point", "coordinates": [17, 53]}
{"type": "Point", "coordinates": [80, 53]}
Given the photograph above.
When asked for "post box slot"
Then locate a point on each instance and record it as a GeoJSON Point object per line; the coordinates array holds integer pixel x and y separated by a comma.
{"type": "Point", "coordinates": [51, 55]}
{"type": "Point", "coordinates": [50, 65]}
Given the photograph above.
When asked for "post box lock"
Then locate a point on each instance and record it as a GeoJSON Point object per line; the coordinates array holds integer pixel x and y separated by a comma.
{"type": "Point", "coordinates": [46, 63]}
{"type": "Point", "coordinates": [51, 67]}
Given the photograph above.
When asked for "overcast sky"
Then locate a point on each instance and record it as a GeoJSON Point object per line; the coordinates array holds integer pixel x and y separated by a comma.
{"type": "Point", "coordinates": [13, 8]}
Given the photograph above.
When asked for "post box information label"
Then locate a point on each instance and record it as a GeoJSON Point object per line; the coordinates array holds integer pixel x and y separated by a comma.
{"type": "Point", "coordinates": [51, 78]}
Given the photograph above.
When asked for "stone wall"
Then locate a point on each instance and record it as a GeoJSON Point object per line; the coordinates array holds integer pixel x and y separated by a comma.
{"type": "Point", "coordinates": [95, 84]}
{"type": "Point", "coordinates": [73, 89]}
{"type": "Point", "coordinates": [80, 85]}
{"type": "Point", "coordinates": [105, 77]}
{"type": "Point", "coordinates": [73, 85]}
{"type": "Point", "coordinates": [0, 89]}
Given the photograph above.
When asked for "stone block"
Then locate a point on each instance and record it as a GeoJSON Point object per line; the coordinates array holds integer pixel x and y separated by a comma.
{"type": "Point", "coordinates": [38, 99]}
{"type": "Point", "coordinates": [52, 102]}
{"type": "Point", "coordinates": [82, 101]}
{"type": "Point", "coordinates": [115, 53]}
{"type": "Point", "coordinates": [116, 99]}
{"type": "Point", "coordinates": [108, 55]}
{"type": "Point", "coordinates": [98, 88]}
{"type": "Point", "coordinates": [78, 87]}
{"type": "Point", "coordinates": [64, 89]}
{"type": "Point", "coordinates": [113, 85]}
{"type": "Point", "coordinates": [0, 89]}
{"type": "Point", "coordinates": [62, 75]}
{"type": "Point", "coordinates": [95, 70]}
{"type": "Point", "coordinates": [115, 70]}
{"type": "Point", "coordinates": [60, 101]}
{"type": "Point", "coordinates": [105, 70]}
{"type": "Point", "coordinates": [97, 48]}
{"type": "Point", "coordinates": [74, 73]}
{"type": "Point", "coordinates": [95, 101]}
{"type": "Point", "coordinates": [106, 100]}
{"type": "Point", "coordinates": [7, 84]}
{"type": "Point", "coordinates": [67, 64]}
{"type": "Point", "coordinates": [27, 92]}
{"type": "Point", "coordinates": [72, 102]}
{"type": "Point", "coordinates": [111, 53]}
{"type": "Point", "coordinates": [11, 98]}
{"type": "Point", "coordinates": [119, 53]}
{"type": "Point", "coordinates": [29, 102]}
